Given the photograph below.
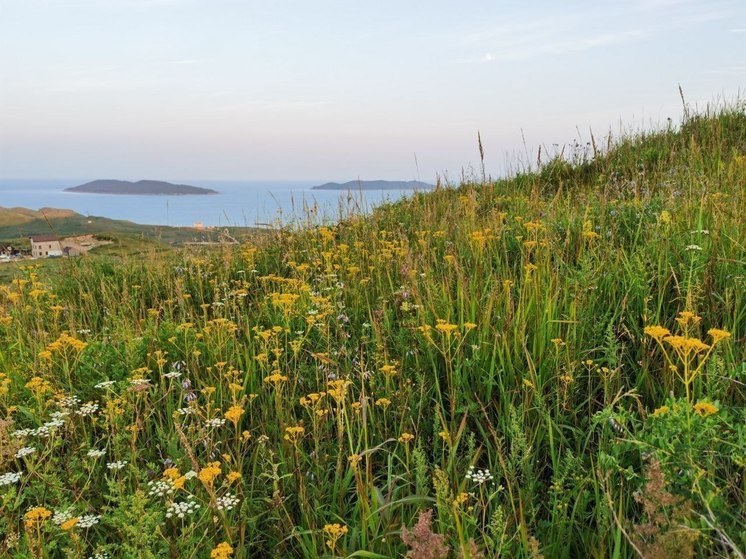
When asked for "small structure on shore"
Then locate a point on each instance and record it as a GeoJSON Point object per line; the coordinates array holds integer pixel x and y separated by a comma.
{"type": "Point", "coordinates": [8, 251]}
{"type": "Point", "coordinates": [44, 246]}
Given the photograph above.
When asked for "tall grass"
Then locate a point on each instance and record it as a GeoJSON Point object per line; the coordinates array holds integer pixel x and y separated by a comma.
{"type": "Point", "coordinates": [480, 352]}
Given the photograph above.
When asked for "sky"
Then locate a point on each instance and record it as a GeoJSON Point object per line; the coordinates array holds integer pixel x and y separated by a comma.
{"type": "Point", "coordinates": [345, 90]}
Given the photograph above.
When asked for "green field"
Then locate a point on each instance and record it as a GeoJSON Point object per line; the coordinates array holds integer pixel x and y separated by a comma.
{"type": "Point", "coordinates": [551, 365]}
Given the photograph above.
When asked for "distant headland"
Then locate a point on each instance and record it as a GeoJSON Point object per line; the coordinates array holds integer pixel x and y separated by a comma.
{"type": "Point", "coordinates": [375, 185]}
{"type": "Point", "coordinates": [143, 187]}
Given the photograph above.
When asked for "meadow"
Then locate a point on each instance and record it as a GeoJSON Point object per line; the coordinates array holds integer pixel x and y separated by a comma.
{"type": "Point", "coordinates": [548, 365]}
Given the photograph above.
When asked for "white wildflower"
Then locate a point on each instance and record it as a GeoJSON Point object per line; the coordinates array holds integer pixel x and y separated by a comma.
{"type": "Point", "coordinates": [88, 520]}
{"type": "Point", "coordinates": [160, 487]}
{"type": "Point", "coordinates": [70, 402]}
{"type": "Point", "coordinates": [227, 502]}
{"type": "Point", "coordinates": [180, 510]}
{"type": "Point", "coordinates": [25, 451]}
{"type": "Point", "coordinates": [88, 408]}
{"type": "Point", "coordinates": [479, 476]}
{"type": "Point", "coordinates": [9, 478]}
{"type": "Point", "coordinates": [118, 465]}
{"type": "Point", "coordinates": [62, 516]}
{"type": "Point", "coordinates": [105, 384]}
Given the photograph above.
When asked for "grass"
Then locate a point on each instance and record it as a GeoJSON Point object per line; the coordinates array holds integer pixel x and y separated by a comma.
{"type": "Point", "coordinates": [551, 364]}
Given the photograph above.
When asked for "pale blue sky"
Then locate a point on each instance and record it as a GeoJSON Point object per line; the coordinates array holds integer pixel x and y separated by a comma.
{"type": "Point", "coordinates": [339, 90]}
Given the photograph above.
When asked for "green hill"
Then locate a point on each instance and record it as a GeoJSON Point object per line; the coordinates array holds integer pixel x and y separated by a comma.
{"type": "Point", "coordinates": [548, 365]}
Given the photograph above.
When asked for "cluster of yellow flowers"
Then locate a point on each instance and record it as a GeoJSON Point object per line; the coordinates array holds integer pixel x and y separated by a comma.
{"type": "Point", "coordinates": [223, 550]}
{"type": "Point", "coordinates": [334, 532]}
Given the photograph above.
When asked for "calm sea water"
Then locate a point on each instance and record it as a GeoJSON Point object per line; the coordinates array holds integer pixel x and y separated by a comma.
{"type": "Point", "coordinates": [244, 203]}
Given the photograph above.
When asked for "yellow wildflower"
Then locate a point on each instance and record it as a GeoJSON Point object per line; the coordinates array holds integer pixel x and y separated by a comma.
{"type": "Point", "coordinates": [657, 332]}
{"type": "Point", "coordinates": [334, 532]}
{"type": "Point", "coordinates": [223, 550]}
{"type": "Point", "coordinates": [233, 476]}
{"type": "Point", "coordinates": [234, 414]}
{"type": "Point", "coordinates": [70, 524]}
{"type": "Point", "coordinates": [383, 402]}
{"type": "Point", "coordinates": [405, 437]}
{"type": "Point", "coordinates": [171, 473]}
{"type": "Point", "coordinates": [292, 434]}
{"type": "Point", "coordinates": [661, 410]}
{"type": "Point", "coordinates": [35, 516]}
{"type": "Point", "coordinates": [208, 474]}
{"type": "Point", "coordinates": [705, 408]}
{"type": "Point", "coordinates": [718, 335]}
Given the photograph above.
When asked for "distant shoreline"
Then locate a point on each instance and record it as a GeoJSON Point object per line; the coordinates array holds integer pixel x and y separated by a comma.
{"type": "Point", "coordinates": [358, 185]}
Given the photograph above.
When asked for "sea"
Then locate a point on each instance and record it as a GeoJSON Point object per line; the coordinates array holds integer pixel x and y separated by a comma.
{"type": "Point", "coordinates": [239, 203]}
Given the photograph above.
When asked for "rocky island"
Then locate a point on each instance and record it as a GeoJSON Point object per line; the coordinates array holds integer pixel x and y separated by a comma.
{"type": "Point", "coordinates": [375, 185]}
{"type": "Point", "coordinates": [143, 187]}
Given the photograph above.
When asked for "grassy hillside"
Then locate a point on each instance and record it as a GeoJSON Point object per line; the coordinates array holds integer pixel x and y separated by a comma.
{"type": "Point", "coordinates": [550, 365]}
{"type": "Point", "coordinates": [18, 224]}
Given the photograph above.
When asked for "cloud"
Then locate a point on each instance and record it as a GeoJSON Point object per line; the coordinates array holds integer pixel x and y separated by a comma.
{"type": "Point", "coordinates": [561, 33]}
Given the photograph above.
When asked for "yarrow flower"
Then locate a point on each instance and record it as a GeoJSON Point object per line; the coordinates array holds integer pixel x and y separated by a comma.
{"type": "Point", "coordinates": [69, 402]}
{"type": "Point", "coordinates": [9, 478]}
{"type": "Point", "coordinates": [227, 502]}
{"type": "Point", "coordinates": [180, 510]}
{"type": "Point", "coordinates": [95, 453]}
{"type": "Point", "coordinates": [25, 451]}
{"type": "Point", "coordinates": [215, 422]}
{"type": "Point", "coordinates": [161, 487]}
{"type": "Point", "coordinates": [105, 384]}
{"type": "Point", "coordinates": [118, 465]}
{"type": "Point", "coordinates": [61, 516]}
{"type": "Point", "coordinates": [87, 409]}
{"type": "Point", "coordinates": [479, 476]}
{"type": "Point", "coordinates": [140, 382]}
{"type": "Point", "coordinates": [88, 520]}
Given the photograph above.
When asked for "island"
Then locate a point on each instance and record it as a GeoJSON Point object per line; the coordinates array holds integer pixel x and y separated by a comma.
{"type": "Point", "coordinates": [143, 187]}
{"type": "Point", "coordinates": [375, 185]}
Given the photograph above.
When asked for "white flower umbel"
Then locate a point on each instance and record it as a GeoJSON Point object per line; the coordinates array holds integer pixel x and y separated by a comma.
{"type": "Point", "coordinates": [479, 476]}
{"type": "Point", "coordinates": [25, 451]}
{"type": "Point", "coordinates": [180, 510]}
{"type": "Point", "coordinates": [95, 453]}
{"type": "Point", "coordinates": [88, 520]}
{"type": "Point", "coordinates": [62, 516]}
{"type": "Point", "coordinates": [10, 478]}
{"type": "Point", "coordinates": [160, 487]}
{"type": "Point", "coordinates": [118, 465]}
{"type": "Point", "coordinates": [227, 502]}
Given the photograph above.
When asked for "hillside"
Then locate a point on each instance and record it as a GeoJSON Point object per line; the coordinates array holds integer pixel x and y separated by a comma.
{"type": "Point", "coordinates": [374, 185]}
{"type": "Point", "coordinates": [142, 187]}
{"type": "Point", "coordinates": [12, 217]}
{"type": "Point", "coordinates": [549, 365]}
{"type": "Point", "coordinates": [17, 224]}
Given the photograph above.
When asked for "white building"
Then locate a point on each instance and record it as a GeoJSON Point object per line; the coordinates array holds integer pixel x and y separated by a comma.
{"type": "Point", "coordinates": [43, 246]}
